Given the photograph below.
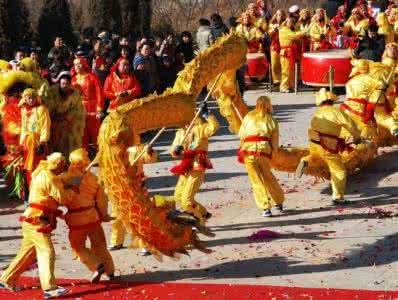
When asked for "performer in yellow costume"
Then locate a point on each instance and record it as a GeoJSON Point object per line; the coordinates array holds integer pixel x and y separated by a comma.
{"type": "Point", "coordinates": [321, 33]}
{"type": "Point", "coordinates": [118, 228]}
{"type": "Point", "coordinates": [385, 28]}
{"type": "Point", "coordinates": [326, 142]}
{"type": "Point", "coordinates": [251, 32]}
{"type": "Point", "coordinates": [357, 24]}
{"type": "Point", "coordinates": [85, 214]}
{"type": "Point", "coordinates": [35, 130]}
{"type": "Point", "coordinates": [363, 93]}
{"type": "Point", "coordinates": [288, 39]}
{"type": "Point", "coordinates": [258, 21]}
{"type": "Point", "coordinates": [273, 31]}
{"type": "Point", "coordinates": [39, 220]}
{"type": "Point", "coordinates": [195, 162]}
{"type": "Point", "coordinates": [259, 136]}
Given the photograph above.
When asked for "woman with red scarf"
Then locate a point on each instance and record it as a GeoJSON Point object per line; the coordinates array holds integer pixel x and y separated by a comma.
{"type": "Point", "coordinates": [121, 86]}
{"type": "Point", "coordinates": [93, 100]}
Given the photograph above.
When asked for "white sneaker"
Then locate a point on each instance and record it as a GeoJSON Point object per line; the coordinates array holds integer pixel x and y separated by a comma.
{"type": "Point", "coordinates": [144, 252]}
{"type": "Point", "coordinates": [59, 291]}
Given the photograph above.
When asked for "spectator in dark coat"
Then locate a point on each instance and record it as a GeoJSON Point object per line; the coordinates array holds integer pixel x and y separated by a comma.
{"type": "Point", "coordinates": [167, 74]}
{"type": "Point", "coordinates": [371, 47]}
{"type": "Point", "coordinates": [218, 28]}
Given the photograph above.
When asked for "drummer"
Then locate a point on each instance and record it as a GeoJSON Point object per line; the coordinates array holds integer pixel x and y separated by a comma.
{"type": "Point", "coordinates": [250, 32]}
{"type": "Point", "coordinates": [258, 21]}
{"type": "Point", "coordinates": [304, 24]}
{"type": "Point", "coordinates": [273, 31]}
{"type": "Point", "coordinates": [357, 24]}
{"type": "Point", "coordinates": [288, 39]}
{"type": "Point", "coordinates": [321, 33]}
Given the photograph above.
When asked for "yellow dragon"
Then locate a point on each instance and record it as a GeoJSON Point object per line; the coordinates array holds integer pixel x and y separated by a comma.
{"type": "Point", "coordinates": [176, 108]}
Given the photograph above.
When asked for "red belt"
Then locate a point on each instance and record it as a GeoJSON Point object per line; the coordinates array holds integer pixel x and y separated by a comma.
{"type": "Point", "coordinates": [341, 145]}
{"type": "Point", "coordinates": [186, 165]}
{"type": "Point", "coordinates": [367, 115]}
{"type": "Point", "coordinates": [243, 153]}
{"type": "Point", "coordinates": [50, 215]}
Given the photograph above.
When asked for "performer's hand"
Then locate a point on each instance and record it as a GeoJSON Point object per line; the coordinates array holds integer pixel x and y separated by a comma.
{"type": "Point", "coordinates": [41, 149]}
{"type": "Point", "coordinates": [99, 115]}
{"type": "Point", "coordinates": [178, 150]}
{"type": "Point", "coordinates": [204, 110]}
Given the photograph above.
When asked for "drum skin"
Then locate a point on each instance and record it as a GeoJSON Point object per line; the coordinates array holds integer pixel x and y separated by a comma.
{"type": "Point", "coordinates": [257, 65]}
{"type": "Point", "coordinates": [315, 67]}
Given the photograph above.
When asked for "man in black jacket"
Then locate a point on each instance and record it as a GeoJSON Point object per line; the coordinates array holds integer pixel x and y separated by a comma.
{"type": "Point", "coordinates": [371, 46]}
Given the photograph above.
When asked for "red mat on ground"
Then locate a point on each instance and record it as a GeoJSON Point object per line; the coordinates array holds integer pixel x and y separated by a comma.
{"type": "Point", "coordinates": [80, 289]}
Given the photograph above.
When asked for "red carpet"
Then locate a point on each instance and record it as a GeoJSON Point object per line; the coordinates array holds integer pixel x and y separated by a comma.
{"type": "Point", "coordinates": [180, 291]}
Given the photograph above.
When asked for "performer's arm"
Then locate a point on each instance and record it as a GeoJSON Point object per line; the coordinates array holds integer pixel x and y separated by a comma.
{"type": "Point", "coordinates": [108, 88]}
{"type": "Point", "coordinates": [275, 137]}
{"type": "Point", "coordinates": [177, 142]}
{"type": "Point", "coordinates": [44, 124]}
{"type": "Point", "coordinates": [348, 124]}
{"type": "Point", "coordinates": [101, 202]}
{"type": "Point", "coordinates": [23, 127]}
{"type": "Point", "coordinates": [211, 126]}
{"type": "Point", "coordinates": [135, 92]}
{"type": "Point", "coordinates": [100, 101]}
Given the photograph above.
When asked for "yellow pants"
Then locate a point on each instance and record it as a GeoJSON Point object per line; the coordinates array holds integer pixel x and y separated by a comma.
{"type": "Point", "coordinates": [287, 75]}
{"type": "Point", "coordinates": [186, 189]}
{"type": "Point", "coordinates": [275, 67]}
{"type": "Point", "coordinates": [266, 189]}
{"type": "Point", "coordinates": [385, 120]}
{"type": "Point", "coordinates": [118, 228]}
{"type": "Point", "coordinates": [35, 245]}
{"type": "Point", "coordinates": [98, 252]}
{"type": "Point", "coordinates": [336, 167]}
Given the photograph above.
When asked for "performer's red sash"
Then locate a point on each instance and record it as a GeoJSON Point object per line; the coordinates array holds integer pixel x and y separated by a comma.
{"type": "Point", "coordinates": [187, 163]}
{"type": "Point", "coordinates": [243, 153]}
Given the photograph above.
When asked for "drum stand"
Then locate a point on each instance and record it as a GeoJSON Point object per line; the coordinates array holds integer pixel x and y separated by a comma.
{"type": "Point", "coordinates": [331, 78]}
{"type": "Point", "coordinates": [270, 79]}
{"type": "Point", "coordinates": [296, 67]}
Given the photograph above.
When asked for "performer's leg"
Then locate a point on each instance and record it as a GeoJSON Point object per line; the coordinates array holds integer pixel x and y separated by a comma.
{"type": "Point", "coordinates": [338, 174]}
{"type": "Point", "coordinates": [26, 257]}
{"type": "Point", "coordinates": [271, 184]}
{"type": "Point", "coordinates": [181, 183]}
{"type": "Point", "coordinates": [275, 67]}
{"type": "Point", "coordinates": [285, 74]}
{"type": "Point", "coordinates": [45, 258]}
{"type": "Point", "coordinates": [77, 239]}
{"type": "Point", "coordinates": [188, 203]}
{"type": "Point", "coordinates": [98, 247]}
{"type": "Point", "coordinates": [259, 191]}
{"type": "Point", "coordinates": [94, 130]}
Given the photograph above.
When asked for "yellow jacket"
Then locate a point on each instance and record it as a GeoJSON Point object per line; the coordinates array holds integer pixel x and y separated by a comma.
{"type": "Point", "coordinates": [198, 139]}
{"type": "Point", "coordinates": [362, 87]}
{"type": "Point", "coordinates": [261, 24]}
{"type": "Point", "coordinates": [357, 29]}
{"type": "Point", "coordinates": [90, 205]}
{"type": "Point", "coordinates": [35, 121]}
{"type": "Point", "coordinates": [47, 190]}
{"type": "Point", "coordinates": [288, 37]}
{"type": "Point", "coordinates": [251, 34]}
{"type": "Point", "coordinates": [256, 125]}
{"type": "Point", "coordinates": [316, 31]}
{"type": "Point", "coordinates": [330, 120]}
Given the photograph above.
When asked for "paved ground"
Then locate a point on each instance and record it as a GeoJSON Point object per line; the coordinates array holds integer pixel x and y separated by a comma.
{"type": "Point", "coordinates": [320, 246]}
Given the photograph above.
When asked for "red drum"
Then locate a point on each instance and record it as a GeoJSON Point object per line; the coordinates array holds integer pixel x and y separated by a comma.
{"type": "Point", "coordinates": [315, 67]}
{"type": "Point", "coordinates": [257, 65]}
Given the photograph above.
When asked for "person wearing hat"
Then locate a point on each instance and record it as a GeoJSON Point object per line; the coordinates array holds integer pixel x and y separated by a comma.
{"type": "Point", "coordinates": [326, 142]}
{"type": "Point", "coordinates": [67, 114]}
{"type": "Point", "coordinates": [191, 170]}
{"type": "Point", "coordinates": [321, 33]}
{"type": "Point", "coordinates": [47, 192]}
{"type": "Point", "coordinates": [35, 130]}
{"type": "Point", "coordinates": [273, 30]}
{"type": "Point", "coordinates": [363, 92]}
{"type": "Point", "coordinates": [357, 24]}
{"type": "Point", "coordinates": [259, 137]}
{"type": "Point", "coordinates": [288, 39]}
{"type": "Point", "coordinates": [294, 12]}
{"type": "Point", "coordinates": [93, 100]}
{"type": "Point", "coordinates": [121, 86]}
{"type": "Point", "coordinates": [85, 214]}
